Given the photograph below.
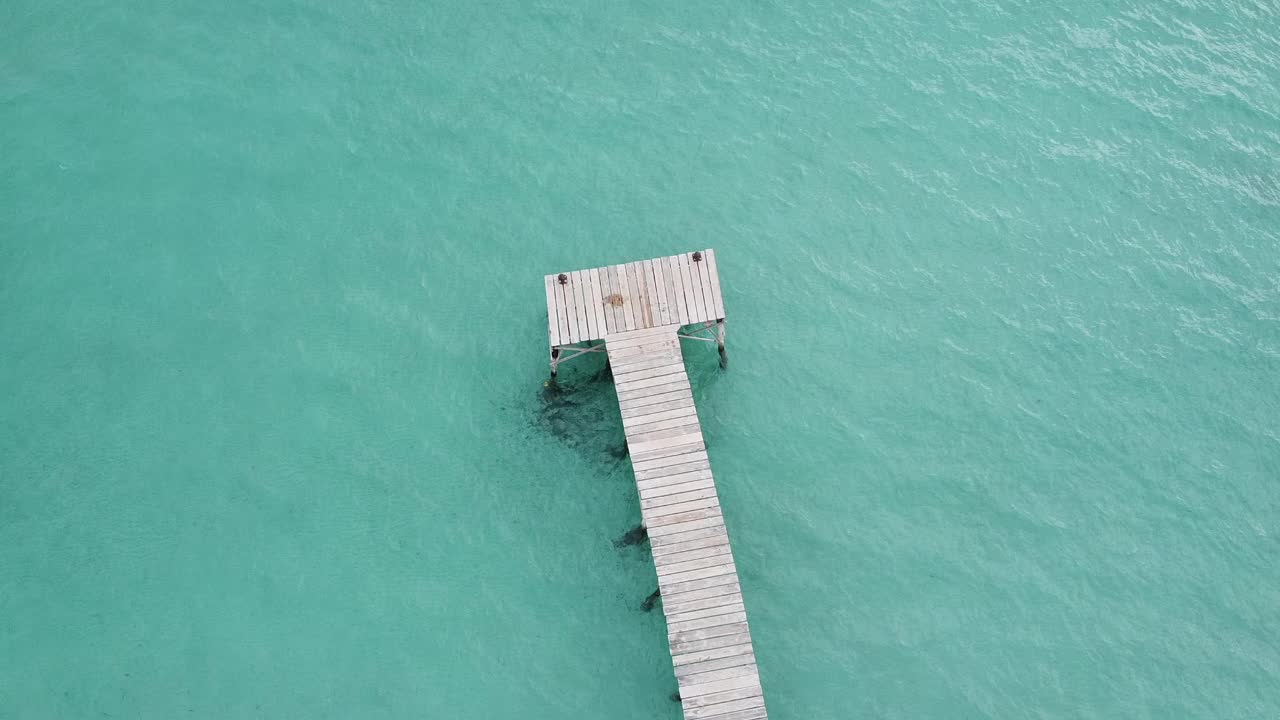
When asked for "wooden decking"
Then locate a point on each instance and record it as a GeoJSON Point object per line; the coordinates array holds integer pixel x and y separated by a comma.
{"type": "Point", "coordinates": [711, 648]}
{"type": "Point", "coordinates": [592, 304]}
{"type": "Point", "coordinates": [638, 309]}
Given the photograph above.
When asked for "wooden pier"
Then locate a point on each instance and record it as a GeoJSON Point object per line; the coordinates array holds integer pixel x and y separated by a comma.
{"type": "Point", "coordinates": [641, 311]}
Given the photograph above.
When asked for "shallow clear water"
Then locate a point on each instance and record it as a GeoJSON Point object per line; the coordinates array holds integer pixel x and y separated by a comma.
{"type": "Point", "coordinates": [998, 439]}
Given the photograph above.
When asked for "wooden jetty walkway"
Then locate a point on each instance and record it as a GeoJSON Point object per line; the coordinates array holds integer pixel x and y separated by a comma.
{"type": "Point", "coordinates": [640, 311]}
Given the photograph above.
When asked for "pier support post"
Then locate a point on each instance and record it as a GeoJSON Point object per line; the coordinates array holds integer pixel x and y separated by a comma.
{"type": "Point", "coordinates": [555, 360]}
{"type": "Point", "coordinates": [724, 359]}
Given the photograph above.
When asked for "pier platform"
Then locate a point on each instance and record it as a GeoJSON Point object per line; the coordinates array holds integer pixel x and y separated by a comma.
{"type": "Point", "coordinates": [641, 311]}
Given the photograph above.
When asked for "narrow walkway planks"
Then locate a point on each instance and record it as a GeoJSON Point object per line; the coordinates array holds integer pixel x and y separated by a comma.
{"type": "Point", "coordinates": [715, 663]}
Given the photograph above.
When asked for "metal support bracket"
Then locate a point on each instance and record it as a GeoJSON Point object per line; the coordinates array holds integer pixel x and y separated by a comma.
{"type": "Point", "coordinates": [565, 353]}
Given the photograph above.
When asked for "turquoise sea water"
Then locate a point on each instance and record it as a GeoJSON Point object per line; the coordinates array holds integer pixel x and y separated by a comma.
{"type": "Point", "coordinates": [999, 437]}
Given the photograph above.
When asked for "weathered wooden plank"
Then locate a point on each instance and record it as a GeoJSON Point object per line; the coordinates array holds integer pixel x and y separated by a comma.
{"type": "Point", "coordinates": [642, 293]}
{"type": "Point", "coordinates": [654, 470]}
{"type": "Point", "coordinates": [693, 288]}
{"type": "Point", "coordinates": [663, 289]}
{"type": "Point", "coordinates": [679, 310]}
{"type": "Point", "coordinates": [673, 308]}
{"type": "Point", "coordinates": [637, 297]}
{"type": "Point", "coordinates": [660, 358]}
{"type": "Point", "coordinates": [612, 311]}
{"type": "Point", "coordinates": [753, 713]}
{"type": "Point", "coordinates": [716, 652]}
{"type": "Point", "coordinates": [706, 491]}
{"type": "Point", "coordinates": [723, 698]}
{"type": "Point", "coordinates": [629, 412]}
{"type": "Point", "coordinates": [711, 686]}
{"type": "Point", "coordinates": [713, 275]}
{"type": "Point", "coordinates": [574, 295]}
{"type": "Point", "coordinates": [586, 319]}
{"type": "Point", "coordinates": [643, 333]}
{"type": "Point", "coordinates": [659, 469]}
{"type": "Point", "coordinates": [694, 455]}
{"type": "Point", "coordinates": [621, 360]}
{"type": "Point", "coordinates": [686, 285]}
{"type": "Point", "coordinates": [645, 440]}
{"type": "Point", "coordinates": [638, 290]}
{"type": "Point", "coordinates": [686, 537]}
{"type": "Point", "coordinates": [684, 637]}
{"type": "Point", "coordinates": [674, 525]}
{"type": "Point", "coordinates": [676, 620]}
{"type": "Point", "coordinates": [661, 452]}
{"type": "Point", "coordinates": [656, 342]}
{"type": "Point", "coordinates": [627, 348]}
{"type": "Point", "coordinates": [673, 558]}
{"type": "Point", "coordinates": [659, 525]}
{"type": "Point", "coordinates": [650, 485]}
{"type": "Point", "coordinates": [669, 385]}
{"type": "Point", "coordinates": [656, 292]}
{"type": "Point", "coordinates": [703, 278]}
{"type": "Point", "coordinates": [696, 520]}
{"type": "Point", "coordinates": [570, 309]}
{"type": "Point", "coordinates": [668, 408]}
{"type": "Point", "coordinates": [597, 303]}
{"type": "Point", "coordinates": [628, 301]}
{"type": "Point", "coordinates": [589, 303]}
{"type": "Point", "coordinates": [681, 419]}
{"type": "Point", "coordinates": [724, 568]}
{"type": "Point", "coordinates": [711, 546]}
{"type": "Point", "coordinates": [677, 378]}
{"type": "Point", "coordinates": [566, 319]}
{"type": "Point", "coordinates": [638, 405]}
{"type": "Point", "coordinates": [662, 491]}
{"type": "Point", "coordinates": [684, 649]}
{"type": "Point", "coordinates": [674, 589]}
{"type": "Point", "coordinates": [642, 417]}
{"type": "Point", "coordinates": [661, 449]}
{"type": "Point", "coordinates": [706, 667]}
{"type": "Point", "coordinates": [707, 596]}
{"type": "Point", "coordinates": [691, 458]}
{"type": "Point", "coordinates": [696, 564]}
{"type": "Point", "coordinates": [651, 514]}
{"type": "Point", "coordinates": [674, 552]}
{"type": "Point", "coordinates": [705, 587]}
{"type": "Point", "coordinates": [708, 296]}
{"type": "Point", "coordinates": [553, 317]}
{"type": "Point", "coordinates": [645, 268]}
{"type": "Point", "coordinates": [707, 623]}
{"type": "Point", "coordinates": [712, 675]}
{"type": "Point", "coordinates": [626, 377]}
{"type": "Point", "coordinates": [718, 705]}
{"type": "Point", "coordinates": [700, 683]}
{"type": "Point", "coordinates": [630, 394]}
{"type": "Point", "coordinates": [680, 453]}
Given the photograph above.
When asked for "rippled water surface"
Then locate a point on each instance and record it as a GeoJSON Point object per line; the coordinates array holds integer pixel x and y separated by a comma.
{"type": "Point", "coordinates": [998, 438]}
